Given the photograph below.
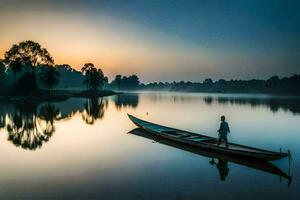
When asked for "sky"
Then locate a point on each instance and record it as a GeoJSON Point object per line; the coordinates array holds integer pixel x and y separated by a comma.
{"type": "Point", "coordinates": [162, 40]}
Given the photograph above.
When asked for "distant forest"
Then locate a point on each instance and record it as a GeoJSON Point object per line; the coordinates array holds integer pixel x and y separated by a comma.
{"type": "Point", "coordinates": [274, 85]}
{"type": "Point", "coordinates": [29, 67]}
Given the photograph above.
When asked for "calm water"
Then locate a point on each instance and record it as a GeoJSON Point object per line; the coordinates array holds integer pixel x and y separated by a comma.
{"type": "Point", "coordinates": [81, 149]}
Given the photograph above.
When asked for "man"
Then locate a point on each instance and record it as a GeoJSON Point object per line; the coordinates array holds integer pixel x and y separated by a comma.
{"type": "Point", "coordinates": [223, 131]}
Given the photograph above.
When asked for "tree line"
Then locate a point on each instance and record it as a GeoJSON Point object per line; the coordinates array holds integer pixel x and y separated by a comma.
{"type": "Point", "coordinates": [32, 68]}
{"type": "Point", "coordinates": [273, 85]}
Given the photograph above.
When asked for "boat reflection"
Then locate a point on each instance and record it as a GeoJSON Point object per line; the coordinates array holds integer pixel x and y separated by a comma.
{"type": "Point", "coordinates": [222, 160]}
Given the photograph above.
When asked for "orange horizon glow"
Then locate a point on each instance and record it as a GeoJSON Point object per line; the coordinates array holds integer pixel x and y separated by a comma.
{"type": "Point", "coordinates": [120, 46]}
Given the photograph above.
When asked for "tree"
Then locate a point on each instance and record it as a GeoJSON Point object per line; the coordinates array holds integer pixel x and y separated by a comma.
{"type": "Point", "coordinates": [130, 82]}
{"type": "Point", "coordinates": [94, 78]}
{"type": "Point", "coordinates": [208, 82]}
{"type": "Point", "coordinates": [118, 79]}
{"type": "Point", "coordinates": [49, 77]}
{"type": "Point", "coordinates": [29, 52]}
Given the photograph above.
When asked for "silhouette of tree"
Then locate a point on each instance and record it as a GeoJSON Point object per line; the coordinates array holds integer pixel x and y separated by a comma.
{"type": "Point", "coordinates": [94, 78]}
{"type": "Point", "coordinates": [67, 67]}
{"type": "Point", "coordinates": [27, 83]}
{"type": "Point", "coordinates": [49, 77]}
{"type": "Point", "coordinates": [27, 53]}
{"type": "Point", "coordinates": [128, 83]}
{"type": "Point", "coordinates": [16, 67]}
{"type": "Point", "coordinates": [274, 85]}
{"type": "Point", "coordinates": [118, 80]}
{"type": "Point", "coordinates": [208, 82]}
{"type": "Point", "coordinates": [94, 109]}
{"type": "Point", "coordinates": [69, 77]}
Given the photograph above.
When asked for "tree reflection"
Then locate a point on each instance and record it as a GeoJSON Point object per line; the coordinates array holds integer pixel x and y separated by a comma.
{"type": "Point", "coordinates": [128, 100]}
{"type": "Point", "coordinates": [49, 113]}
{"type": "Point", "coordinates": [273, 103]}
{"type": "Point", "coordinates": [2, 121]}
{"type": "Point", "coordinates": [94, 109]}
{"type": "Point", "coordinates": [30, 129]}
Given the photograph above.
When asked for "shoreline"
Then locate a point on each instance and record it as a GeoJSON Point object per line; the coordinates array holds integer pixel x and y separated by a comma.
{"type": "Point", "coordinates": [59, 95]}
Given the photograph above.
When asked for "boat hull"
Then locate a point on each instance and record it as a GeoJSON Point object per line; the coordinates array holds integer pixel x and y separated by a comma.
{"type": "Point", "coordinates": [255, 164]}
{"type": "Point", "coordinates": [240, 150]}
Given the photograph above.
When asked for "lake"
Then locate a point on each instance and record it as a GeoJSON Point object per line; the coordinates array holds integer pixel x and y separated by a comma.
{"type": "Point", "coordinates": [82, 148]}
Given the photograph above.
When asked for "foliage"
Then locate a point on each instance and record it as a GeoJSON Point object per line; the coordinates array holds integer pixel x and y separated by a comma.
{"type": "Point", "coordinates": [27, 83]}
{"type": "Point", "coordinates": [69, 77]}
{"type": "Point", "coordinates": [49, 77]}
{"type": "Point", "coordinates": [126, 83]}
{"type": "Point", "coordinates": [94, 78]}
{"type": "Point", "coordinates": [274, 85]}
{"type": "Point", "coordinates": [28, 52]}
{"type": "Point", "coordinates": [118, 80]}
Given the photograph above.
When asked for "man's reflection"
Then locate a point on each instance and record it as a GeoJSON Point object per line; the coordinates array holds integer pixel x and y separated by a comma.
{"type": "Point", "coordinates": [222, 167]}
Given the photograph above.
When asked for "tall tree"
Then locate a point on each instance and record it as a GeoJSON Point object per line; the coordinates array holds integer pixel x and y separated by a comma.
{"type": "Point", "coordinates": [29, 52]}
{"type": "Point", "coordinates": [49, 77]}
{"type": "Point", "coordinates": [94, 77]}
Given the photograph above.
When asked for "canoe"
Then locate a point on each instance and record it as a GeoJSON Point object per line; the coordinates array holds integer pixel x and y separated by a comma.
{"type": "Point", "coordinates": [260, 165]}
{"type": "Point", "coordinates": [206, 142]}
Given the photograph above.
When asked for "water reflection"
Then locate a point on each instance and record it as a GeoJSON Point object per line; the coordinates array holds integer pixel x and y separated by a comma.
{"type": "Point", "coordinates": [29, 127]}
{"type": "Point", "coordinates": [222, 166]}
{"type": "Point", "coordinates": [274, 104]}
{"type": "Point", "coordinates": [94, 109]}
{"type": "Point", "coordinates": [126, 100]}
{"type": "Point", "coordinates": [49, 113]}
{"type": "Point", "coordinates": [222, 160]}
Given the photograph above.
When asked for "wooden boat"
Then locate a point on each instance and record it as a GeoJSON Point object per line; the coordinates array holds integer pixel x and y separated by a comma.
{"type": "Point", "coordinates": [260, 165]}
{"type": "Point", "coordinates": [206, 142]}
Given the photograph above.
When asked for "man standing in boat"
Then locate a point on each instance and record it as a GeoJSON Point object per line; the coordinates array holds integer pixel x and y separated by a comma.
{"type": "Point", "coordinates": [223, 131]}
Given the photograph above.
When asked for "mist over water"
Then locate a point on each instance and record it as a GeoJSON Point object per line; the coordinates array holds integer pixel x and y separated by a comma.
{"type": "Point", "coordinates": [80, 148]}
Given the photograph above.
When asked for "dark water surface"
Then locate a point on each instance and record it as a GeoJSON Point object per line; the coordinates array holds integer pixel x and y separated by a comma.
{"type": "Point", "coordinates": [81, 149]}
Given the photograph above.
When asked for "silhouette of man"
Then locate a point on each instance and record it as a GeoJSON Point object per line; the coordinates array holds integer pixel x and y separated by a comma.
{"type": "Point", "coordinates": [223, 131]}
